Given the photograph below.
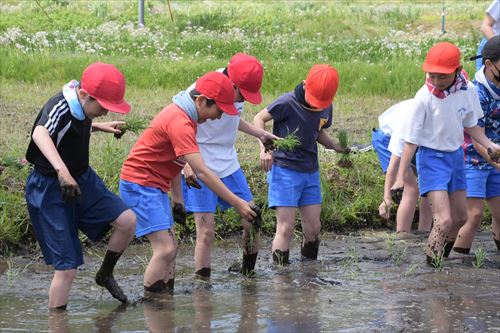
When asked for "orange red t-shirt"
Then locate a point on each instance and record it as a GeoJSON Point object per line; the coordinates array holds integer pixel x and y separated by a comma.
{"type": "Point", "coordinates": [157, 156]}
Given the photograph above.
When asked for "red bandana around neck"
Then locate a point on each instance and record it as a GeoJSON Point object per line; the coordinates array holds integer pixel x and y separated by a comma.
{"type": "Point", "coordinates": [460, 83]}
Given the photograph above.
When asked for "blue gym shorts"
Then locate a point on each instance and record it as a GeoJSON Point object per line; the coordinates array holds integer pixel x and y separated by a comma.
{"type": "Point", "coordinates": [380, 142]}
{"type": "Point", "coordinates": [204, 200]}
{"type": "Point", "coordinates": [290, 188]}
{"type": "Point", "coordinates": [151, 206]}
{"type": "Point", "coordinates": [56, 223]}
{"type": "Point", "coordinates": [484, 184]}
{"type": "Point", "coordinates": [440, 170]}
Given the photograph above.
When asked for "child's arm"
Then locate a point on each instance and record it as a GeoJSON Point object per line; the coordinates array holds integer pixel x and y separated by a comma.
{"type": "Point", "coordinates": [178, 210]}
{"type": "Point", "coordinates": [397, 188]}
{"type": "Point", "coordinates": [261, 134]}
{"type": "Point", "coordinates": [390, 175]}
{"type": "Point", "coordinates": [69, 187]}
{"type": "Point", "coordinates": [214, 183]}
{"type": "Point", "coordinates": [266, 158]}
{"type": "Point", "coordinates": [108, 127]}
{"type": "Point", "coordinates": [325, 140]}
{"type": "Point", "coordinates": [484, 153]}
{"type": "Point", "coordinates": [477, 133]}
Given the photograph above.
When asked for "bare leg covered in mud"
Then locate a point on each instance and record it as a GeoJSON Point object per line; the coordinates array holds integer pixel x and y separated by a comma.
{"type": "Point", "coordinates": [285, 221]}
{"type": "Point", "coordinates": [311, 227]}
{"type": "Point", "coordinates": [160, 273]}
{"type": "Point", "coordinates": [123, 232]}
{"type": "Point", "coordinates": [475, 210]}
{"type": "Point", "coordinates": [449, 214]}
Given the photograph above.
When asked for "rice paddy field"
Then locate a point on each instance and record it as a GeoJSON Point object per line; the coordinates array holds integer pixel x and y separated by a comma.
{"type": "Point", "coordinates": [377, 46]}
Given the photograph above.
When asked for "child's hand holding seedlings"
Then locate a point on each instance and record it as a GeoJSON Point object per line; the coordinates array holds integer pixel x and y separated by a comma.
{"type": "Point", "coordinates": [69, 187]}
{"type": "Point", "coordinates": [494, 153]}
{"type": "Point", "coordinates": [114, 127]}
{"type": "Point", "coordinates": [190, 176]}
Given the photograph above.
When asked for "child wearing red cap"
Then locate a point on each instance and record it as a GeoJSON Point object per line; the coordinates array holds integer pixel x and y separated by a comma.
{"type": "Point", "coordinates": [217, 147]}
{"type": "Point", "coordinates": [483, 175]}
{"type": "Point", "coordinates": [64, 194]}
{"type": "Point", "coordinates": [158, 157]}
{"type": "Point", "coordinates": [445, 107]}
{"type": "Point", "coordinates": [293, 177]}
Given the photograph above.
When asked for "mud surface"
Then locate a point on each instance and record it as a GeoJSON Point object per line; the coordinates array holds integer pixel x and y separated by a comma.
{"type": "Point", "coordinates": [372, 282]}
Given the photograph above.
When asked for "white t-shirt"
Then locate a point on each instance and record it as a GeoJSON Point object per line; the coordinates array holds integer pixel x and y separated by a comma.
{"type": "Point", "coordinates": [494, 11]}
{"type": "Point", "coordinates": [439, 123]}
{"type": "Point", "coordinates": [391, 122]}
{"type": "Point", "coordinates": [216, 139]}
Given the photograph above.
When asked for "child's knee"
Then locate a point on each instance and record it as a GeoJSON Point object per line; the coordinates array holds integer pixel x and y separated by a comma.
{"type": "Point", "coordinates": [65, 275]}
{"type": "Point", "coordinates": [285, 231]}
{"type": "Point", "coordinates": [206, 236]}
{"type": "Point", "coordinates": [126, 222]}
{"type": "Point", "coordinates": [167, 253]}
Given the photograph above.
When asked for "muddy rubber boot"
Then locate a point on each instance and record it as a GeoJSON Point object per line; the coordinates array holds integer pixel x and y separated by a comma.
{"type": "Point", "coordinates": [203, 273]}
{"type": "Point", "coordinates": [447, 248]}
{"type": "Point", "coordinates": [310, 250]}
{"type": "Point", "coordinates": [161, 286]}
{"type": "Point", "coordinates": [248, 264]}
{"type": "Point", "coordinates": [104, 276]}
{"type": "Point", "coordinates": [461, 250]}
{"type": "Point", "coordinates": [281, 257]}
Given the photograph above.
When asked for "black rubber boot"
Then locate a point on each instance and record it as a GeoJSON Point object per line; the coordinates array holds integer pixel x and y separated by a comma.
{"type": "Point", "coordinates": [248, 265]}
{"type": "Point", "coordinates": [281, 257]}
{"type": "Point", "coordinates": [310, 250]}
{"type": "Point", "coordinates": [104, 276]}
{"type": "Point", "coordinates": [203, 273]}
{"type": "Point", "coordinates": [461, 250]}
{"type": "Point", "coordinates": [447, 248]}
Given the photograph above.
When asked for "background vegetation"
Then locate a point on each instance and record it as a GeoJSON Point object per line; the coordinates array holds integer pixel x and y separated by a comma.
{"type": "Point", "coordinates": [377, 47]}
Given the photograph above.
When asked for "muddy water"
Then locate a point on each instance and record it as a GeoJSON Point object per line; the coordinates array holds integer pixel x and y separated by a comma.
{"type": "Point", "coordinates": [370, 282]}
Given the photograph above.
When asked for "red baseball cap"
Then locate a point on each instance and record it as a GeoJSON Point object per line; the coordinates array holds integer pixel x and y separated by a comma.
{"type": "Point", "coordinates": [246, 72]}
{"type": "Point", "coordinates": [106, 84]}
{"type": "Point", "coordinates": [442, 58]}
{"type": "Point", "coordinates": [321, 85]}
{"type": "Point", "coordinates": [217, 86]}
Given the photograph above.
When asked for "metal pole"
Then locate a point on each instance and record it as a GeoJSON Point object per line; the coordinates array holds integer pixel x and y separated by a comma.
{"type": "Point", "coordinates": [141, 13]}
{"type": "Point", "coordinates": [442, 21]}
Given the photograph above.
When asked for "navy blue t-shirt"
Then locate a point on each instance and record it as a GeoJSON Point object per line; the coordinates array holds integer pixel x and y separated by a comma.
{"type": "Point", "coordinates": [290, 116]}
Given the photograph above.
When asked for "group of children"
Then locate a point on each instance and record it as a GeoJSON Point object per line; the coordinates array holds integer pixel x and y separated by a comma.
{"type": "Point", "coordinates": [188, 150]}
{"type": "Point", "coordinates": [453, 126]}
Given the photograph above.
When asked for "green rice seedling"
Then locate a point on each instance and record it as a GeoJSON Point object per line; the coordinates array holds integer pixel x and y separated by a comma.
{"type": "Point", "coordinates": [288, 143]}
{"type": "Point", "coordinates": [13, 272]}
{"type": "Point", "coordinates": [437, 262]}
{"type": "Point", "coordinates": [390, 242]}
{"type": "Point", "coordinates": [411, 269]}
{"type": "Point", "coordinates": [479, 258]}
{"type": "Point", "coordinates": [135, 125]}
{"type": "Point", "coordinates": [400, 255]}
{"type": "Point", "coordinates": [345, 160]}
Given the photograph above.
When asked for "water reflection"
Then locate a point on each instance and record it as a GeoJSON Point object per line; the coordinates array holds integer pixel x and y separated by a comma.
{"type": "Point", "coordinates": [104, 324]}
{"type": "Point", "coordinates": [294, 308]}
{"type": "Point", "coordinates": [203, 310]}
{"type": "Point", "coordinates": [159, 313]}
{"type": "Point", "coordinates": [58, 321]}
{"type": "Point", "coordinates": [249, 306]}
